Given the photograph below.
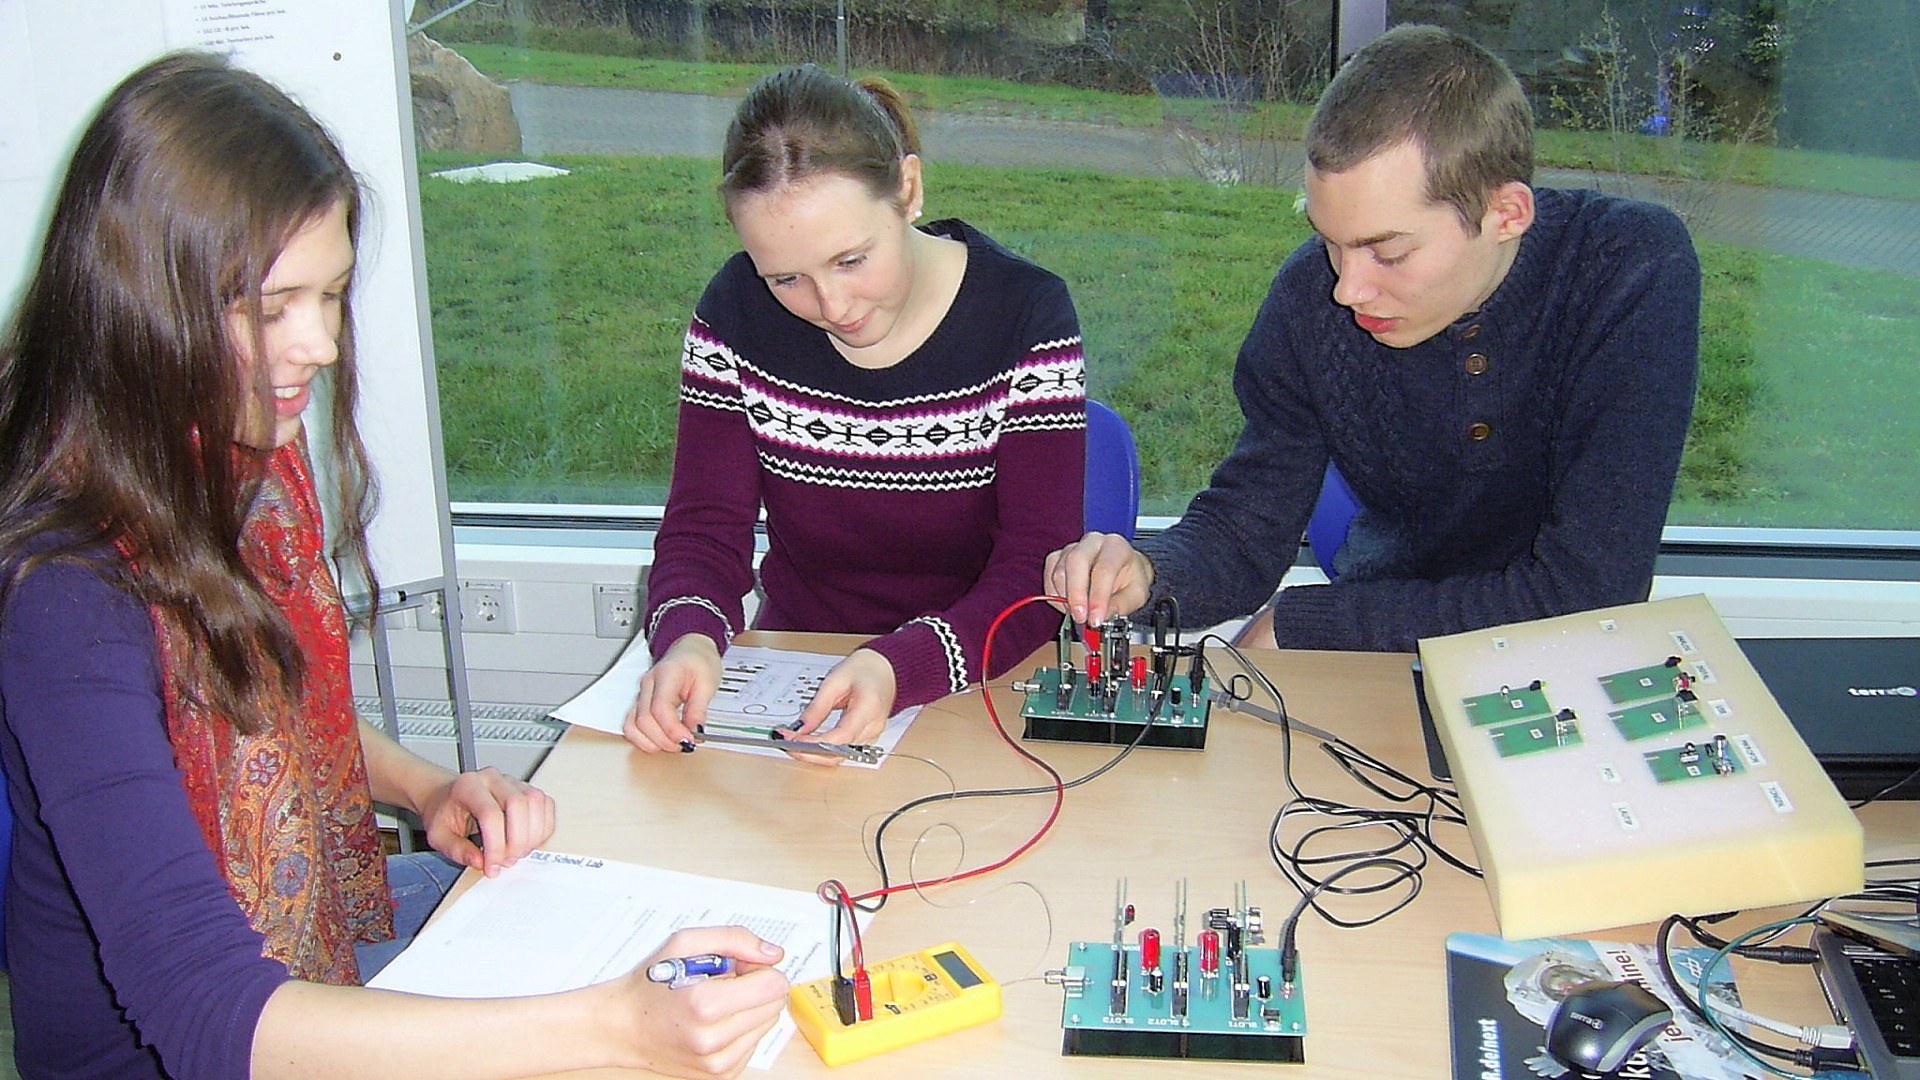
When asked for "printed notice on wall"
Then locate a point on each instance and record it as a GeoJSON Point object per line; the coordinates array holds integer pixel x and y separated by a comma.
{"type": "Point", "coordinates": [19, 134]}
{"type": "Point", "coordinates": [259, 31]}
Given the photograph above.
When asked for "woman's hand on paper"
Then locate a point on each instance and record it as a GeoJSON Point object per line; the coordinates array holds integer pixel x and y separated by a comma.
{"type": "Point", "coordinates": [707, 1028]}
{"type": "Point", "coordinates": [674, 694]}
{"type": "Point", "coordinates": [512, 818]}
{"type": "Point", "coordinates": [862, 687]}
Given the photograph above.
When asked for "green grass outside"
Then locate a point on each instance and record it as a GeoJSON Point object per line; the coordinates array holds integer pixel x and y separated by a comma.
{"type": "Point", "coordinates": [507, 63]}
{"type": "Point", "coordinates": [558, 310]}
{"type": "Point", "coordinates": [559, 306]}
{"type": "Point", "coordinates": [1644, 155]}
{"type": "Point", "coordinates": [1833, 355]}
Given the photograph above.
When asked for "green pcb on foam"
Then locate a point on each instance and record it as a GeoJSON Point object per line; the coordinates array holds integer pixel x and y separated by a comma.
{"type": "Point", "coordinates": [1657, 718]}
{"type": "Point", "coordinates": [1640, 683]}
{"type": "Point", "coordinates": [1690, 762]}
{"type": "Point", "coordinates": [1508, 705]}
{"type": "Point", "coordinates": [1215, 1023]}
{"type": "Point", "coordinates": [1535, 736]}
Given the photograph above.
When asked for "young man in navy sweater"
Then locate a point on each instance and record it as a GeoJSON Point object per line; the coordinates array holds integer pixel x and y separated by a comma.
{"type": "Point", "coordinates": [1504, 375]}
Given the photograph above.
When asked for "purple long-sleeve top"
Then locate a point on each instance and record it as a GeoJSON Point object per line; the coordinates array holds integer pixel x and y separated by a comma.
{"type": "Point", "coordinates": [912, 503]}
{"type": "Point", "coordinates": [128, 957]}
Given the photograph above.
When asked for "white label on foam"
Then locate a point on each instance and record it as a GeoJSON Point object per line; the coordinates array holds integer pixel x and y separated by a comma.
{"type": "Point", "coordinates": [1683, 641]}
{"type": "Point", "coordinates": [1625, 816]}
{"type": "Point", "coordinates": [1706, 673]}
{"type": "Point", "coordinates": [1608, 626]}
{"type": "Point", "coordinates": [1501, 644]}
{"type": "Point", "coordinates": [1609, 774]}
{"type": "Point", "coordinates": [1721, 707]}
{"type": "Point", "coordinates": [1777, 797]}
{"type": "Point", "coordinates": [1750, 750]}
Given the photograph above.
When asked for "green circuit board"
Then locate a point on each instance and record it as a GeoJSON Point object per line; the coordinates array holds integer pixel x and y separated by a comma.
{"type": "Point", "coordinates": [1222, 994]}
{"type": "Point", "coordinates": [1508, 705]}
{"type": "Point", "coordinates": [1082, 715]}
{"type": "Point", "coordinates": [1220, 1017]}
{"type": "Point", "coordinates": [1656, 718]}
{"type": "Point", "coordinates": [1693, 761]}
{"type": "Point", "coordinates": [1535, 736]}
{"type": "Point", "coordinates": [1640, 684]}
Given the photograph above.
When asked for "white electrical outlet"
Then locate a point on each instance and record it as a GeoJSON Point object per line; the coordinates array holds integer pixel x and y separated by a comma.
{"type": "Point", "coordinates": [486, 607]}
{"type": "Point", "coordinates": [616, 610]}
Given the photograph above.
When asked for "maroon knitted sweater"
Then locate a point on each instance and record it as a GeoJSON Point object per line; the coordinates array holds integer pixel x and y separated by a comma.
{"type": "Point", "coordinates": [912, 503]}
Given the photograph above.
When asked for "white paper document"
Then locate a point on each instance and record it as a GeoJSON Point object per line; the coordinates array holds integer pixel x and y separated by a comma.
{"type": "Point", "coordinates": [759, 688]}
{"type": "Point", "coordinates": [248, 27]}
{"type": "Point", "coordinates": [555, 922]}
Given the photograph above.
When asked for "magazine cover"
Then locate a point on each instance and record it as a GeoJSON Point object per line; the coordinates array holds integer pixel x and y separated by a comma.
{"type": "Point", "coordinates": [1501, 993]}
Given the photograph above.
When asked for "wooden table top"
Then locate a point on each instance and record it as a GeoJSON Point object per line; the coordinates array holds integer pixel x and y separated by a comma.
{"type": "Point", "coordinates": [1376, 998]}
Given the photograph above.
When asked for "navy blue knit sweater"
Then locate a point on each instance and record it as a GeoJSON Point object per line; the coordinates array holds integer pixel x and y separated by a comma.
{"type": "Point", "coordinates": [1529, 482]}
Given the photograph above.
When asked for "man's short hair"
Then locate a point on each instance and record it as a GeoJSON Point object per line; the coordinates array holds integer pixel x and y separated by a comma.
{"type": "Point", "coordinates": [1456, 101]}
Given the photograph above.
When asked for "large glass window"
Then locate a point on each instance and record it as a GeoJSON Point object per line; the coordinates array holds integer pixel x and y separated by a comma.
{"type": "Point", "coordinates": [1147, 151]}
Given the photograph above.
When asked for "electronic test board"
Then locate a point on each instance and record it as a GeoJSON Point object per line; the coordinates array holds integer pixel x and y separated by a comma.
{"type": "Point", "coordinates": [1624, 764]}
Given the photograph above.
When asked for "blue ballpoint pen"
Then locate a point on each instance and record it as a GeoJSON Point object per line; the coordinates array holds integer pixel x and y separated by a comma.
{"type": "Point", "coordinates": [679, 971]}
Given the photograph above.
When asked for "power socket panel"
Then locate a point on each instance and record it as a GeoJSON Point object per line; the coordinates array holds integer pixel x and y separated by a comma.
{"type": "Point", "coordinates": [486, 607]}
{"type": "Point", "coordinates": [616, 610]}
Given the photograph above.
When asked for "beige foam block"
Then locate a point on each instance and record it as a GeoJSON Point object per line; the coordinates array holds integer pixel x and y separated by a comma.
{"type": "Point", "coordinates": [1585, 836]}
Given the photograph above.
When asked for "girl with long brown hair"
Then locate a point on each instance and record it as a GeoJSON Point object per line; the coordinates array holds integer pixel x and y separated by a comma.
{"type": "Point", "coordinates": [197, 887]}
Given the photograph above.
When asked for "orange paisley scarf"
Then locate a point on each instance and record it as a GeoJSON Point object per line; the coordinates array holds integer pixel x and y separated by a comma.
{"type": "Point", "coordinates": [287, 812]}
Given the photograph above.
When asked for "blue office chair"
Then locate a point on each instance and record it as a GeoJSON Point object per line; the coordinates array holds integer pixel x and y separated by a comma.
{"type": "Point", "coordinates": [1332, 514]}
{"type": "Point", "coordinates": [1112, 489]}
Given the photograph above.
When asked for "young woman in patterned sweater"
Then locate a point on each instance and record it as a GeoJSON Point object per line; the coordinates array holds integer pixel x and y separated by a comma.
{"type": "Point", "coordinates": [905, 403]}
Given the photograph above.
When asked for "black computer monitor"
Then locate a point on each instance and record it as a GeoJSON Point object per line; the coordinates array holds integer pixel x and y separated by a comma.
{"type": "Point", "coordinates": [1856, 703]}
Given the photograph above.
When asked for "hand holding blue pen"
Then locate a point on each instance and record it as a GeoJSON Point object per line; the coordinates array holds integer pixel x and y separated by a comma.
{"type": "Point", "coordinates": [683, 971]}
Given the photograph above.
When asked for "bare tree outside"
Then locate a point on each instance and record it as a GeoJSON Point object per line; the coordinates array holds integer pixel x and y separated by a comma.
{"type": "Point", "coordinates": [1230, 66]}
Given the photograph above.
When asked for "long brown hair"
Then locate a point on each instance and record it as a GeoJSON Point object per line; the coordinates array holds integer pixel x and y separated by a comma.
{"type": "Point", "coordinates": [802, 122]}
{"type": "Point", "coordinates": [121, 386]}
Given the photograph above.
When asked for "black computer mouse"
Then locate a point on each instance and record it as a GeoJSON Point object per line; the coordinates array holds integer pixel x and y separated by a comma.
{"type": "Point", "coordinates": [1598, 1025]}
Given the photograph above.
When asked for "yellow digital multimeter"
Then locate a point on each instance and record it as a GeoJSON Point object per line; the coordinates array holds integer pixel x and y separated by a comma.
{"type": "Point", "coordinates": [915, 997]}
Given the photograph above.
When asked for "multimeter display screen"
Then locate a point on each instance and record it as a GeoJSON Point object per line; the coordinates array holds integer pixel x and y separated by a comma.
{"type": "Point", "coordinates": [956, 969]}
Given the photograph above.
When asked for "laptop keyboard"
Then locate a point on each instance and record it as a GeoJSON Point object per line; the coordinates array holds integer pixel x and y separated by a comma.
{"type": "Point", "coordinates": [1892, 985]}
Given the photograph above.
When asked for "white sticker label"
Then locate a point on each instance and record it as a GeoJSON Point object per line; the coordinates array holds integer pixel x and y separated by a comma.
{"type": "Point", "coordinates": [1500, 644]}
{"type": "Point", "coordinates": [1777, 797]}
{"type": "Point", "coordinates": [1705, 672]}
{"type": "Point", "coordinates": [1608, 626]}
{"type": "Point", "coordinates": [1609, 774]}
{"type": "Point", "coordinates": [1750, 750]}
{"type": "Point", "coordinates": [1721, 707]}
{"type": "Point", "coordinates": [1683, 642]}
{"type": "Point", "coordinates": [1625, 816]}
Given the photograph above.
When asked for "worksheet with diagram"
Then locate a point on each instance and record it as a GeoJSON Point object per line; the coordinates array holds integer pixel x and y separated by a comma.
{"type": "Point", "coordinates": [760, 689]}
